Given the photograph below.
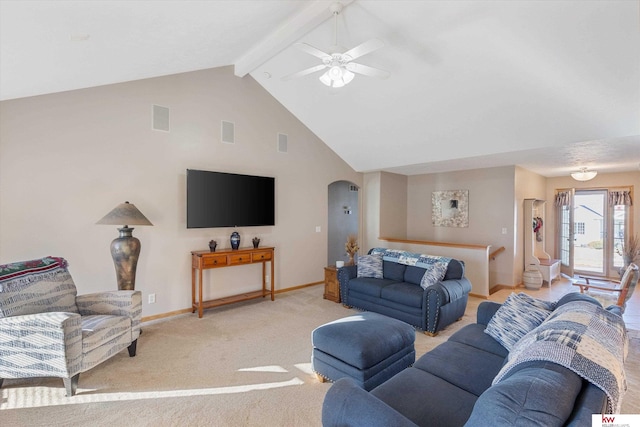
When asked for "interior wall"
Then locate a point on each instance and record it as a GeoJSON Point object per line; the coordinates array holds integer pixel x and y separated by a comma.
{"type": "Point", "coordinates": [529, 185]}
{"type": "Point", "coordinates": [393, 205]}
{"type": "Point", "coordinates": [67, 159]}
{"type": "Point", "coordinates": [371, 199]}
{"type": "Point", "coordinates": [343, 219]}
{"type": "Point", "coordinates": [491, 210]}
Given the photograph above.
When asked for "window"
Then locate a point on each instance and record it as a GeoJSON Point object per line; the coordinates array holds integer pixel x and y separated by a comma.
{"type": "Point", "coordinates": [579, 227]}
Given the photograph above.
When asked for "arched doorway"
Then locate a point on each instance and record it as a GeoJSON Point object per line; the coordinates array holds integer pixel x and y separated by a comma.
{"type": "Point", "coordinates": [343, 218]}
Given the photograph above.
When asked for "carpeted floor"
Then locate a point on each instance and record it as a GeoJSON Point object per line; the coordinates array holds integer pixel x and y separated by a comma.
{"type": "Point", "coordinates": [241, 365]}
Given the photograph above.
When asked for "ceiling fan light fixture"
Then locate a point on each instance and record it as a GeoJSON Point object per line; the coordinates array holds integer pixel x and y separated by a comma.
{"type": "Point", "coordinates": [325, 79]}
{"type": "Point", "coordinates": [336, 76]}
{"type": "Point", "coordinates": [584, 175]}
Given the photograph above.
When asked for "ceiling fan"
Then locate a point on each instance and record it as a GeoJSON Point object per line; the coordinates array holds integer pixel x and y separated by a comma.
{"type": "Point", "coordinates": [341, 69]}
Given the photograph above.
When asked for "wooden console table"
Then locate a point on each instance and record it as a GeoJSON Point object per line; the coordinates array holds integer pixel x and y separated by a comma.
{"type": "Point", "coordinates": [204, 260]}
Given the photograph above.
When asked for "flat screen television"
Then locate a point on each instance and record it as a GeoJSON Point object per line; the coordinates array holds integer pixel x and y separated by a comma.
{"type": "Point", "coordinates": [218, 199]}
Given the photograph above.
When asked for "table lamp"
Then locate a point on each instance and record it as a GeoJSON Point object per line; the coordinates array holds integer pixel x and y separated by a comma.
{"type": "Point", "coordinates": [125, 249]}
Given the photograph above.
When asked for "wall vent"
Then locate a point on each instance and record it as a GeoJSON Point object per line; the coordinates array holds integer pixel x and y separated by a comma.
{"type": "Point", "coordinates": [283, 142]}
{"type": "Point", "coordinates": [160, 118]}
{"type": "Point", "coordinates": [228, 132]}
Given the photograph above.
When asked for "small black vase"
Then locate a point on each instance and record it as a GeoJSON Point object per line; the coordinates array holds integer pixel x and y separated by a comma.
{"type": "Point", "coordinates": [235, 240]}
{"type": "Point", "coordinates": [212, 245]}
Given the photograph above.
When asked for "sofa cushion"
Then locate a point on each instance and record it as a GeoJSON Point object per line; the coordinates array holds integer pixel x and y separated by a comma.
{"type": "Point", "coordinates": [519, 315]}
{"type": "Point", "coordinates": [393, 270]}
{"type": "Point", "coordinates": [370, 266]}
{"type": "Point", "coordinates": [99, 329]}
{"type": "Point", "coordinates": [539, 394]}
{"type": "Point", "coordinates": [403, 293]}
{"type": "Point", "coordinates": [425, 399]}
{"type": "Point", "coordinates": [368, 285]}
{"type": "Point", "coordinates": [472, 335]}
{"type": "Point", "coordinates": [464, 366]}
{"type": "Point", "coordinates": [413, 274]}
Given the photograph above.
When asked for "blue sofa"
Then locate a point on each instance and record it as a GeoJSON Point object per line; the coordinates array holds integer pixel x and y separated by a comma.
{"type": "Point", "coordinates": [399, 294]}
{"type": "Point", "coordinates": [452, 386]}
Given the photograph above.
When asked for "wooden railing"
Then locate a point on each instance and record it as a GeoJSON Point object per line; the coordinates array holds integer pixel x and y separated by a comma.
{"type": "Point", "coordinates": [475, 257]}
{"type": "Point", "coordinates": [498, 251]}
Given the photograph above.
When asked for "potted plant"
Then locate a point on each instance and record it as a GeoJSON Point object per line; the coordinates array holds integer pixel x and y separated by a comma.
{"type": "Point", "coordinates": [351, 247]}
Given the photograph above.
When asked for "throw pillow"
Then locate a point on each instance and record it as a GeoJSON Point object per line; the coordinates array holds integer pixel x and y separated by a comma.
{"type": "Point", "coordinates": [433, 274]}
{"type": "Point", "coordinates": [519, 315]}
{"type": "Point", "coordinates": [370, 266]}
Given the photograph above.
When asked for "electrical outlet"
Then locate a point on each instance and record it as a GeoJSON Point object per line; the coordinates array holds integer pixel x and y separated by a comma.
{"type": "Point", "coordinates": [318, 229]}
{"type": "Point", "coordinates": [152, 298]}
{"type": "Point", "coordinates": [267, 279]}
{"type": "Point", "coordinates": [504, 230]}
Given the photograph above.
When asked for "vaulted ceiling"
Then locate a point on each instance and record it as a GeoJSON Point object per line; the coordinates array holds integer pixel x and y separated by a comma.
{"type": "Point", "coordinates": [549, 85]}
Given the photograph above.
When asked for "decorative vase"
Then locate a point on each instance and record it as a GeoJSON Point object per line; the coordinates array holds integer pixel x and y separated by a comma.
{"type": "Point", "coordinates": [351, 260]}
{"type": "Point", "coordinates": [235, 240]}
{"type": "Point", "coordinates": [212, 245]}
{"type": "Point", "coordinates": [256, 242]}
{"type": "Point", "coordinates": [532, 278]}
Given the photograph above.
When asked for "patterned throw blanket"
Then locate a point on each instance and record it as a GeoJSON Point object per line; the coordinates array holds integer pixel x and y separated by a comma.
{"type": "Point", "coordinates": [584, 338]}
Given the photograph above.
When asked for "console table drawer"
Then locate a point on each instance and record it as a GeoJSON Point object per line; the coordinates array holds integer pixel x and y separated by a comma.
{"type": "Point", "coordinates": [260, 256]}
{"type": "Point", "coordinates": [214, 261]}
{"type": "Point", "coordinates": [235, 259]}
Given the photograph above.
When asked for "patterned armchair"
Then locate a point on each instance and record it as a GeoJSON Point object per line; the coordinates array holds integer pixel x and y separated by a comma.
{"type": "Point", "coordinates": [46, 330]}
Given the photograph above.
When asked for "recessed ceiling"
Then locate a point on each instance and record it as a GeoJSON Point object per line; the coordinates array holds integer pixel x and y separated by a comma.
{"type": "Point", "coordinates": [548, 85]}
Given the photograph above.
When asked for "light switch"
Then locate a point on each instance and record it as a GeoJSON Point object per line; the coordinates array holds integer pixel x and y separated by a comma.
{"type": "Point", "coordinates": [504, 230]}
{"type": "Point", "coordinates": [318, 229]}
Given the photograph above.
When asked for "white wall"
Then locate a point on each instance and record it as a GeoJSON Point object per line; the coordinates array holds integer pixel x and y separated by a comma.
{"type": "Point", "coordinates": [67, 159]}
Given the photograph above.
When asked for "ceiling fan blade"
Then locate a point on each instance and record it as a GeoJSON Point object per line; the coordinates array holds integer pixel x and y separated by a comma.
{"type": "Point", "coordinates": [364, 48]}
{"type": "Point", "coordinates": [304, 72]}
{"type": "Point", "coordinates": [305, 47]}
{"type": "Point", "coordinates": [366, 70]}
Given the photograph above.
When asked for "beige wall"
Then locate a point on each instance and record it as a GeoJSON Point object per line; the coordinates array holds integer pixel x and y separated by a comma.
{"type": "Point", "coordinates": [528, 185]}
{"type": "Point", "coordinates": [491, 201]}
{"type": "Point", "coordinates": [67, 159]}
{"type": "Point", "coordinates": [393, 205]}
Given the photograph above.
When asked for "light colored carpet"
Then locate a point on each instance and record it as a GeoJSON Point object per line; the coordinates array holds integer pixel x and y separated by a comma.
{"type": "Point", "coordinates": [246, 364]}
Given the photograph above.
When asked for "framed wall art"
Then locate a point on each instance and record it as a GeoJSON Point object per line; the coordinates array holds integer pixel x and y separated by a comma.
{"type": "Point", "coordinates": [450, 208]}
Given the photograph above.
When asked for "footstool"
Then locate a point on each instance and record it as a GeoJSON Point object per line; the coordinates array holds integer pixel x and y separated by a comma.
{"type": "Point", "coordinates": [368, 347]}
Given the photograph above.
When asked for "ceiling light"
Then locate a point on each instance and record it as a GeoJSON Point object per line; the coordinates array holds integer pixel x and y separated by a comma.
{"type": "Point", "coordinates": [584, 175]}
{"type": "Point", "coordinates": [336, 76]}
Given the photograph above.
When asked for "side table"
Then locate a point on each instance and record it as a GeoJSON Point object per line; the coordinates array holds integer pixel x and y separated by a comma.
{"type": "Point", "coordinates": [331, 284]}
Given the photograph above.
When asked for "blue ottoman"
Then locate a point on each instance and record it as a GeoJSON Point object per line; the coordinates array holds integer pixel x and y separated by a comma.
{"type": "Point", "coordinates": [368, 347]}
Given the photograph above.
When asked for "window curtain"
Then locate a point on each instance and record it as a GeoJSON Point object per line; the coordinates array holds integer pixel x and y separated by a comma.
{"type": "Point", "coordinates": [563, 198]}
{"type": "Point", "coordinates": [620, 198]}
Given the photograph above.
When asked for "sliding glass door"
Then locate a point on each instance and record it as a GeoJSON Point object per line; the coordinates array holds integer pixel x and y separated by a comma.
{"type": "Point", "coordinates": [592, 226]}
{"type": "Point", "coordinates": [590, 230]}
{"type": "Point", "coordinates": [565, 233]}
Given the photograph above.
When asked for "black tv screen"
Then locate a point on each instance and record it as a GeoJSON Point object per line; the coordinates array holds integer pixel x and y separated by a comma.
{"type": "Point", "coordinates": [218, 199]}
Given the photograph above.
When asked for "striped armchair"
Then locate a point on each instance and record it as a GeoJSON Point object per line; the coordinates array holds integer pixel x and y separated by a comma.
{"type": "Point", "coordinates": [47, 330]}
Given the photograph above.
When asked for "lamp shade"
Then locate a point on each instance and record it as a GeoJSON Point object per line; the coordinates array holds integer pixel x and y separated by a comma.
{"type": "Point", "coordinates": [584, 175]}
{"type": "Point", "coordinates": [124, 214]}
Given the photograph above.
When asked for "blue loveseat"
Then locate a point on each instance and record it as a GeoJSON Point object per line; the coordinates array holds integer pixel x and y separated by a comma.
{"type": "Point", "coordinates": [452, 385]}
{"type": "Point", "coordinates": [400, 291]}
